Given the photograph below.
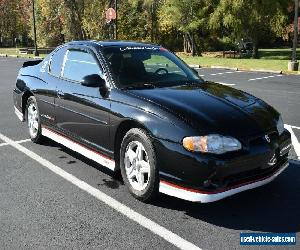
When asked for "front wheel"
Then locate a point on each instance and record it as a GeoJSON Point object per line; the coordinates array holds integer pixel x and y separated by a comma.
{"type": "Point", "coordinates": [33, 120]}
{"type": "Point", "coordinates": [138, 165]}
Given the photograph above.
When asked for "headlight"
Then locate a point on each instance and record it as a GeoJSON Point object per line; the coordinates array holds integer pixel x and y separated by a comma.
{"type": "Point", "coordinates": [215, 144]}
{"type": "Point", "coordinates": [280, 125]}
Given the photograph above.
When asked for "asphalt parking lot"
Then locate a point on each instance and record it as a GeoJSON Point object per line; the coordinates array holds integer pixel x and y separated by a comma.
{"type": "Point", "coordinates": [52, 198]}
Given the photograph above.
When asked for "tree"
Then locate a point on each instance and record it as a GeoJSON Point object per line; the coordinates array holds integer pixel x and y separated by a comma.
{"type": "Point", "coordinates": [93, 20]}
{"type": "Point", "coordinates": [188, 16]}
{"type": "Point", "coordinates": [11, 22]}
{"type": "Point", "coordinates": [252, 19]}
{"type": "Point", "coordinates": [50, 22]}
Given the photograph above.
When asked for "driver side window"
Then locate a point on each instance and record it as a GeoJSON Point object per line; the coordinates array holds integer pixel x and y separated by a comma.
{"type": "Point", "coordinates": [79, 64]}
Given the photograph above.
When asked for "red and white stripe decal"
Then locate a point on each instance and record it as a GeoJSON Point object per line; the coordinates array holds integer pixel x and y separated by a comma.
{"type": "Point", "coordinates": [205, 197]}
{"type": "Point", "coordinates": [85, 151]}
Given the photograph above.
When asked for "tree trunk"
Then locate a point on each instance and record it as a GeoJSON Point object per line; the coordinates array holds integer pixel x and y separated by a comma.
{"type": "Point", "coordinates": [185, 44]}
{"type": "Point", "coordinates": [192, 44]}
{"type": "Point", "coordinates": [255, 49]}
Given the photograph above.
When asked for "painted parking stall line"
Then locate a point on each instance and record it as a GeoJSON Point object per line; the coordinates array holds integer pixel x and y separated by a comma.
{"type": "Point", "coordinates": [265, 77]}
{"type": "Point", "coordinates": [295, 141]}
{"type": "Point", "coordinates": [223, 73]}
{"type": "Point", "coordinates": [295, 127]}
{"type": "Point", "coordinates": [19, 142]}
{"type": "Point", "coordinates": [143, 221]}
{"type": "Point", "coordinates": [226, 84]}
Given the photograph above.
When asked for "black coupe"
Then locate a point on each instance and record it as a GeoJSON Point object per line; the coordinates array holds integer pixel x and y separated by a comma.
{"type": "Point", "coordinates": [138, 108]}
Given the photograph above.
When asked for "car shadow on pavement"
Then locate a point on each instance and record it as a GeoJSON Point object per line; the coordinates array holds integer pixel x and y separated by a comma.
{"type": "Point", "coordinates": [274, 207]}
{"type": "Point", "coordinates": [114, 175]}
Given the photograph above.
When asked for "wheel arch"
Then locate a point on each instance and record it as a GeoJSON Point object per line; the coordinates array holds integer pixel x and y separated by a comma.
{"type": "Point", "coordinates": [121, 131]}
{"type": "Point", "coordinates": [25, 97]}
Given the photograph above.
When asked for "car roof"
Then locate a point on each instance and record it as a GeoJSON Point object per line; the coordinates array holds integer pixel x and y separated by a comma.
{"type": "Point", "coordinates": [108, 43]}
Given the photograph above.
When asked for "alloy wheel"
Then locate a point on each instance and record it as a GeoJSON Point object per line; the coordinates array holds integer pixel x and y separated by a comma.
{"type": "Point", "coordinates": [137, 165]}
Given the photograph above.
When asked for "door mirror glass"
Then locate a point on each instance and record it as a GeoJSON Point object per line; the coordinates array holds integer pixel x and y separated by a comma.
{"type": "Point", "coordinates": [93, 81]}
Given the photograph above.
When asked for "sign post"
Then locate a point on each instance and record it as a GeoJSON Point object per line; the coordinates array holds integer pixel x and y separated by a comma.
{"type": "Point", "coordinates": [294, 65]}
{"type": "Point", "coordinates": [36, 53]}
{"type": "Point", "coordinates": [116, 20]}
{"type": "Point", "coordinates": [111, 15]}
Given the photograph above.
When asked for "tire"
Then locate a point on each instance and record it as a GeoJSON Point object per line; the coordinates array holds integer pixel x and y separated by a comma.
{"type": "Point", "coordinates": [138, 165]}
{"type": "Point", "coordinates": [33, 120]}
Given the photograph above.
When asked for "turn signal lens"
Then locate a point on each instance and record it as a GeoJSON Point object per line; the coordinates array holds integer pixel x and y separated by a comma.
{"type": "Point", "coordinates": [215, 144]}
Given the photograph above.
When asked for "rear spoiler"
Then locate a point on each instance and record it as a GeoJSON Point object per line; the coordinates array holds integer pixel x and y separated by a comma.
{"type": "Point", "coordinates": [31, 63]}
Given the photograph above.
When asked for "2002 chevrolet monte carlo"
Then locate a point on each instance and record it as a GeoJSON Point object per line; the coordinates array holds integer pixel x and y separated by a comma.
{"type": "Point", "coordinates": [138, 108]}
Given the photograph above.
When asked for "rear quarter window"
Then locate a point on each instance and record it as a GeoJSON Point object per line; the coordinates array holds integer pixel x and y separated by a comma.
{"type": "Point", "coordinates": [57, 62]}
{"type": "Point", "coordinates": [79, 64]}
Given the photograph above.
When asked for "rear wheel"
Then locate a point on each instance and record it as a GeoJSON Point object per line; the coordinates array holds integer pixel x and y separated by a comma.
{"type": "Point", "coordinates": [33, 120]}
{"type": "Point", "coordinates": [138, 165]}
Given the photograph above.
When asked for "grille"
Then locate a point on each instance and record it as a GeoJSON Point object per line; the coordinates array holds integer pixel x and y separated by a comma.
{"type": "Point", "coordinates": [253, 174]}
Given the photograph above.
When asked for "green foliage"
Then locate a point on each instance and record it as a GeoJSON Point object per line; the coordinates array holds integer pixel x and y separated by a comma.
{"type": "Point", "coordinates": [252, 19]}
{"type": "Point", "coordinates": [185, 15]}
{"type": "Point", "coordinates": [190, 24]}
{"type": "Point", "coordinates": [12, 24]}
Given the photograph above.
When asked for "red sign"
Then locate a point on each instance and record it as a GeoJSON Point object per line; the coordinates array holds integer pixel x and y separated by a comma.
{"type": "Point", "coordinates": [111, 14]}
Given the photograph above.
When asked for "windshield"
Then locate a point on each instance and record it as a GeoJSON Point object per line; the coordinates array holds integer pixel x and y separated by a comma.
{"type": "Point", "coordinates": [148, 67]}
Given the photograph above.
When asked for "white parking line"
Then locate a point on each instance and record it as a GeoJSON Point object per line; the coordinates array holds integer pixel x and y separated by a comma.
{"type": "Point", "coordinates": [116, 205]}
{"type": "Point", "coordinates": [295, 126]}
{"type": "Point", "coordinates": [222, 73]}
{"type": "Point", "coordinates": [265, 77]}
{"type": "Point", "coordinates": [226, 84]}
{"type": "Point", "coordinates": [19, 142]}
{"type": "Point", "coordinates": [295, 141]}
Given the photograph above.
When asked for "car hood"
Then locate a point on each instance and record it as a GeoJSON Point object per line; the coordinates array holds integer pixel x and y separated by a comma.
{"type": "Point", "coordinates": [214, 108]}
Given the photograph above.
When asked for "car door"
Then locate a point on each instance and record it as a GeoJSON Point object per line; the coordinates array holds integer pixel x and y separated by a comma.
{"type": "Point", "coordinates": [81, 111]}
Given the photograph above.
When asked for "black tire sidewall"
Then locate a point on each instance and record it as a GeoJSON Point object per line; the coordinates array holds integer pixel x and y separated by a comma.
{"type": "Point", "coordinates": [151, 191]}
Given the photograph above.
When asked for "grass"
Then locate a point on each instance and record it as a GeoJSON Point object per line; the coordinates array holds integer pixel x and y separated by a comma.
{"type": "Point", "coordinates": [246, 64]}
{"type": "Point", "coordinates": [271, 59]}
{"type": "Point", "coordinates": [15, 51]}
{"type": "Point", "coordinates": [277, 54]}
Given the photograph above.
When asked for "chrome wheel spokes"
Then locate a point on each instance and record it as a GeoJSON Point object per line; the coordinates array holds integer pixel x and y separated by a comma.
{"type": "Point", "coordinates": [32, 120]}
{"type": "Point", "coordinates": [137, 165]}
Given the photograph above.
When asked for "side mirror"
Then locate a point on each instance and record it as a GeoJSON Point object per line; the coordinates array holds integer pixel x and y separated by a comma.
{"type": "Point", "coordinates": [93, 81]}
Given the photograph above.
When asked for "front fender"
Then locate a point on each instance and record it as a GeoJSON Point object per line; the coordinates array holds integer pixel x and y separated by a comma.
{"type": "Point", "coordinates": [160, 123]}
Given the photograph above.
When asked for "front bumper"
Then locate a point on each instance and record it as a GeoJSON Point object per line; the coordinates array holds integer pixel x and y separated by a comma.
{"type": "Point", "coordinates": [205, 197]}
{"type": "Point", "coordinates": [207, 178]}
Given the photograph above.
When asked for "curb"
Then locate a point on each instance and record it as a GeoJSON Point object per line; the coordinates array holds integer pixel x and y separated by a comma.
{"type": "Point", "coordinates": [3, 55]}
{"type": "Point", "coordinates": [280, 72]}
{"type": "Point", "coordinates": [196, 66]}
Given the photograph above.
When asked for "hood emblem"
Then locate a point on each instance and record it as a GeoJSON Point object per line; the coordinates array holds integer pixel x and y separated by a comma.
{"type": "Point", "coordinates": [272, 161]}
{"type": "Point", "coordinates": [267, 138]}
